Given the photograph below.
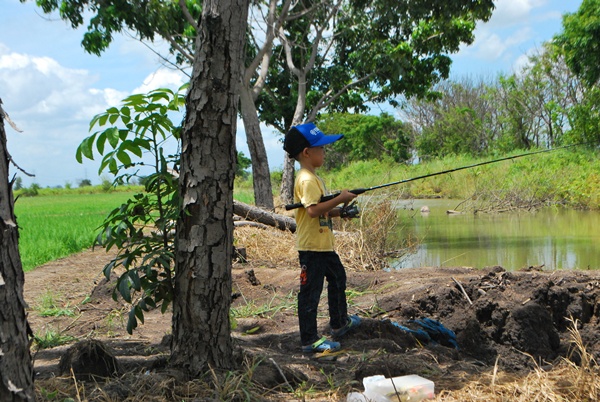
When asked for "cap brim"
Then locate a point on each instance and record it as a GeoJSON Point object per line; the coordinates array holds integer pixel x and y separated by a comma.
{"type": "Point", "coordinates": [327, 139]}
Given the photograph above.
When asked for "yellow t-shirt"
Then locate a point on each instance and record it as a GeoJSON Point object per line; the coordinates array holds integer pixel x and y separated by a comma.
{"type": "Point", "coordinates": [312, 234]}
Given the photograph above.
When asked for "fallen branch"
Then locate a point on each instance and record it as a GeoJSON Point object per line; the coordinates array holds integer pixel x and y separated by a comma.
{"type": "Point", "coordinates": [256, 214]}
{"type": "Point", "coordinates": [463, 290]}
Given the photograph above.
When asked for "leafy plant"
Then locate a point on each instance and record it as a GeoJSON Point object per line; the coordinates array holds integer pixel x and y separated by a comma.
{"type": "Point", "coordinates": [141, 228]}
{"type": "Point", "coordinates": [51, 338]}
{"type": "Point", "coordinates": [49, 307]}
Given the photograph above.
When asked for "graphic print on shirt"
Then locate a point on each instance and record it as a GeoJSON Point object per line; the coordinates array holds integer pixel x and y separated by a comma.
{"type": "Point", "coordinates": [325, 221]}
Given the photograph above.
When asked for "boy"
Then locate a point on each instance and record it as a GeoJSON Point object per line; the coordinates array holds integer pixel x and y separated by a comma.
{"type": "Point", "coordinates": [314, 241]}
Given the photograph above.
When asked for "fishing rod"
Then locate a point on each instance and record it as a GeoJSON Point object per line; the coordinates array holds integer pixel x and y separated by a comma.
{"type": "Point", "coordinates": [359, 191]}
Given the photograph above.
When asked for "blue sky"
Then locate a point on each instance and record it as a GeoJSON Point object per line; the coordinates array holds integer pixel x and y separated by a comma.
{"type": "Point", "coordinates": [51, 88]}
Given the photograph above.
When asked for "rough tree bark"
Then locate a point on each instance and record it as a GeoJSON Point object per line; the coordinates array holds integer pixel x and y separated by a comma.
{"type": "Point", "coordinates": [286, 190]}
{"type": "Point", "coordinates": [16, 366]}
{"type": "Point", "coordinates": [201, 328]}
{"type": "Point", "coordinates": [261, 176]}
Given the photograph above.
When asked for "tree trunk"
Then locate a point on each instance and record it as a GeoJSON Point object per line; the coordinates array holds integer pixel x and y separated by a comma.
{"type": "Point", "coordinates": [263, 191]}
{"type": "Point", "coordinates": [16, 366]}
{"type": "Point", "coordinates": [202, 295]}
{"type": "Point", "coordinates": [287, 181]}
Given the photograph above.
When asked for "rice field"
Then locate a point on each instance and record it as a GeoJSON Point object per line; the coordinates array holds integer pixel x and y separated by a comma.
{"type": "Point", "coordinates": [55, 226]}
{"type": "Point", "coordinates": [58, 223]}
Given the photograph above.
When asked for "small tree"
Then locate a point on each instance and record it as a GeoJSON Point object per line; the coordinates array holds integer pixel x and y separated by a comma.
{"type": "Point", "coordinates": [18, 184]}
{"type": "Point", "coordinates": [141, 228]}
{"type": "Point", "coordinates": [241, 168]}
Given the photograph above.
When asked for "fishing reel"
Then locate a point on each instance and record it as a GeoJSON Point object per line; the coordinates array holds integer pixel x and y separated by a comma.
{"type": "Point", "coordinates": [349, 211]}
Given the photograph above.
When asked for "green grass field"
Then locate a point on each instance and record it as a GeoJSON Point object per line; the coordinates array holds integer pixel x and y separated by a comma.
{"type": "Point", "coordinates": [60, 222]}
{"type": "Point", "coordinates": [55, 226]}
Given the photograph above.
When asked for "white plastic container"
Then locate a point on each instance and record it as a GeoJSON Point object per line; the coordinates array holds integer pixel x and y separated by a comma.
{"type": "Point", "coordinates": [408, 388]}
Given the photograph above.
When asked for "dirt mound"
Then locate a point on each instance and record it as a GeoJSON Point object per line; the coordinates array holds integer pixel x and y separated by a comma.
{"type": "Point", "coordinates": [513, 320]}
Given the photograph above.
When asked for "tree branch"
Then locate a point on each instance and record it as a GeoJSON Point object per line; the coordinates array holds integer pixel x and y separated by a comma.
{"type": "Point", "coordinates": [188, 15]}
{"type": "Point", "coordinates": [322, 103]}
{"type": "Point", "coordinates": [182, 51]}
{"type": "Point", "coordinates": [319, 37]}
{"type": "Point", "coordinates": [263, 57]}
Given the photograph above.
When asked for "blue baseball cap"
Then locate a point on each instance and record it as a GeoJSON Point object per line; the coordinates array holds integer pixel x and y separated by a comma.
{"type": "Point", "coordinates": [306, 136]}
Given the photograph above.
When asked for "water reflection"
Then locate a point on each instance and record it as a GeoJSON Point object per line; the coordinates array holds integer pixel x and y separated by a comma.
{"type": "Point", "coordinates": [555, 238]}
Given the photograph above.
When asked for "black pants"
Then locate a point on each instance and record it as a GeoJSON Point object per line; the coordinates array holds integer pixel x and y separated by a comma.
{"type": "Point", "coordinates": [316, 266]}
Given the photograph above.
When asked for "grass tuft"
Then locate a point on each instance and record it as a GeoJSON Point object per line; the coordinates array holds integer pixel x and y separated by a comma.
{"type": "Point", "coordinates": [50, 338]}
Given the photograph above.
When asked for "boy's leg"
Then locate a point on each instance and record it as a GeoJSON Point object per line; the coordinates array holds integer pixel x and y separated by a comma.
{"type": "Point", "coordinates": [336, 291]}
{"type": "Point", "coordinates": [311, 286]}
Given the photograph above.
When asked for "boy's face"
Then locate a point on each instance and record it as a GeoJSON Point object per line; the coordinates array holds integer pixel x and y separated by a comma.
{"type": "Point", "coordinates": [316, 156]}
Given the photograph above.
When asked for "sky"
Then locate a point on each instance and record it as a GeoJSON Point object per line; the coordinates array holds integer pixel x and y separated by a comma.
{"type": "Point", "coordinates": [51, 88]}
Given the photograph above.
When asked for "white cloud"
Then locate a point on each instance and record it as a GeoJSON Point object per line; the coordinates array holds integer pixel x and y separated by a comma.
{"type": "Point", "coordinates": [513, 12]}
{"type": "Point", "coordinates": [517, 28]}
{"type": "Point", "coordinates": [162, 78]}
{"type": "Point", "coordinates": [520, 63]}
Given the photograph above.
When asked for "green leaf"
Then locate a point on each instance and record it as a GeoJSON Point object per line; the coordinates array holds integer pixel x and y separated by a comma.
{"type": "Point", "coordinates": [102, 119]}
{"type": "Point", "coordinates": [131, 322]}
{"type": "Point", "coordinates": [141, 142]}
{"type": "Point", "coordinates": [112, 135]}
{"type": "Point", "coordinates": [164, 306]}
{"type": "Point", "coordinates": [124, 289]}
{"type": "Point", "coordinates": [112, 166]}
{"type": "Point", "coordinates": [150, 302]}
{"type": "Point", "coordinates": [124, 157]}
{"type": "Point", "coordinates": [139, 313]}
{"type": "Point", "coordinates": [100, 143]}
{"type": "Point", "coordinates": [132, 147]}
{"type": "Point", "coordinates": [78, 154]}
{"type": "Point", "coordinates": [94, 121]}
{"type": "Point", "coordinates": [86, 147]}
{"type": "Point", "coordinates": [108, 269]}
{"type": "Point", "coordinates": [105, 161]}
{"type": "Point", "coordinates": [135, 279]}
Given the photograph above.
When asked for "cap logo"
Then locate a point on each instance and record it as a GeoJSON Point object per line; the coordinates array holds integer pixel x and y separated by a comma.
{"type": "Point", "coordinates": [315, 131]}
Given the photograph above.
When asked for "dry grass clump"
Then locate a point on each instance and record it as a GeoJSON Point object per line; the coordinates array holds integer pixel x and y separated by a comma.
{"type": "Point", "coordinates": [362, 243]}
{"type": "Point", "coordinates": [269, 247]}
{"type": "Point", "coordinates": [576, 378]}
{"type": "Point", "coordinates": [367, 243]}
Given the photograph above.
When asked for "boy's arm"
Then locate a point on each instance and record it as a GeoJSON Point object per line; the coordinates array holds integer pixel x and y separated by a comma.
{"type": "Point", "coordinates": [325, 207]}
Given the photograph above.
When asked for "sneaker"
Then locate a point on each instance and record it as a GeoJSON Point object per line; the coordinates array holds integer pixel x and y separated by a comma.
{"type": "Point", "coordinates": [353, 322]}
{"type": "Point", "coordinates": [322, 345]}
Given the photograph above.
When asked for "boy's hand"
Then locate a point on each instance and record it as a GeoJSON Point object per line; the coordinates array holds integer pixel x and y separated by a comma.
{"type": "Point", "coordinates": [327, 208]}
{"type": "Point", "coordinates": [345, 197]}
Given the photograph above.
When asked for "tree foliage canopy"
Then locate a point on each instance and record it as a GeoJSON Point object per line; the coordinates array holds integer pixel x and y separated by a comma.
{"type": "Point", "coordinates": [365, 137]}
{"type": "Point", "coordinates": [146, 18]}
{"type": "Point", "coordinates": [580, 41]}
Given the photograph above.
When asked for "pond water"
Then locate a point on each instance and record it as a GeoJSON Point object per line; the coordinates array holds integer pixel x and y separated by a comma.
{"type": "Point", "coordinates": [553, 237]}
